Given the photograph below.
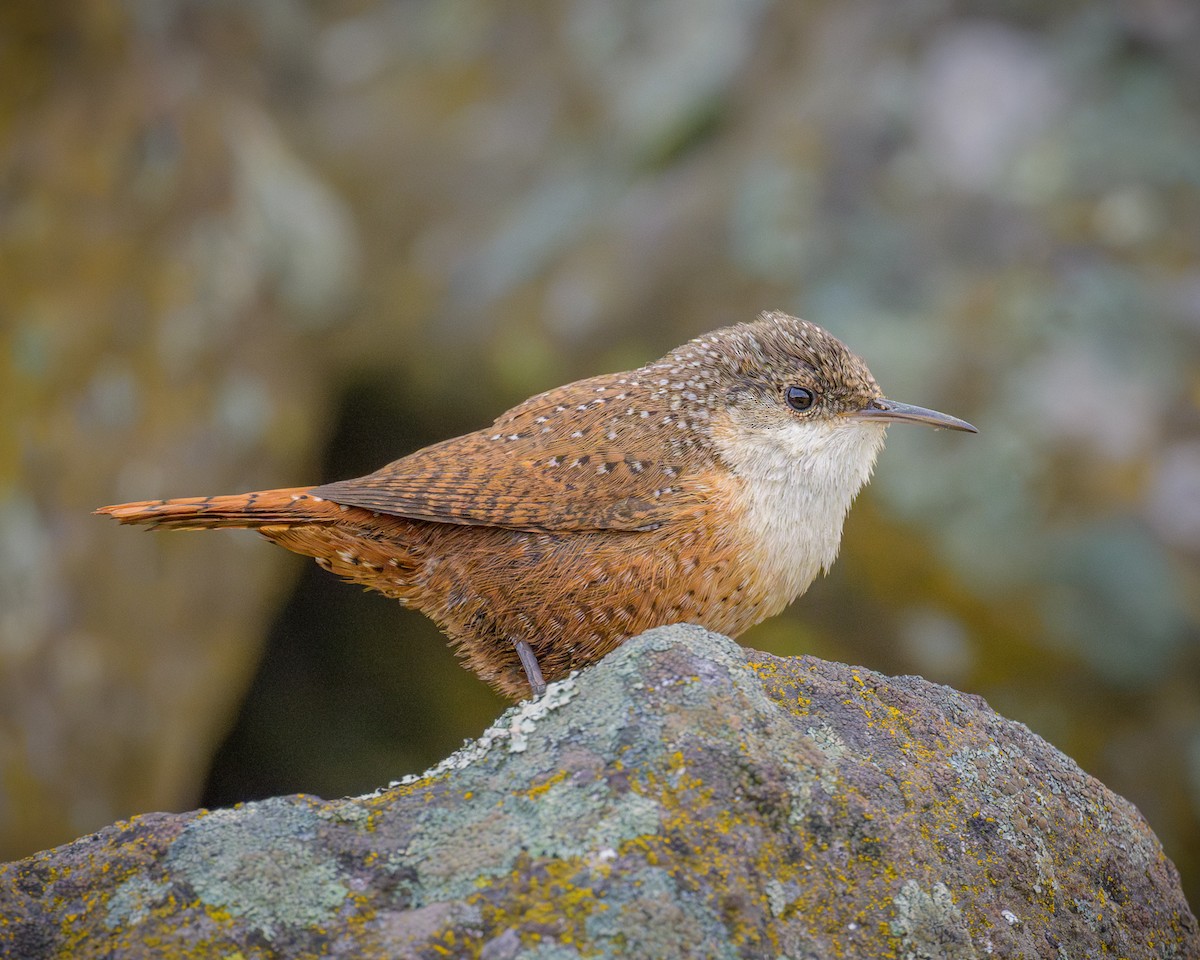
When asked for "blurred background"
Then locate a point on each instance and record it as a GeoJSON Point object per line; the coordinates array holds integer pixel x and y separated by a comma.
{"type": "Point", "coordinates": [270, 242]}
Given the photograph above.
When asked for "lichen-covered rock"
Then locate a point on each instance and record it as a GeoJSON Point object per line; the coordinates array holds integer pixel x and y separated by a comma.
{"type": "Point", "coordinates": [686, 797]}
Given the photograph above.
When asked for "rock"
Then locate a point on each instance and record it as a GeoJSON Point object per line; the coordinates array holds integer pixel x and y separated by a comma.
{"type": "Point", "coordinates": [684, 797]}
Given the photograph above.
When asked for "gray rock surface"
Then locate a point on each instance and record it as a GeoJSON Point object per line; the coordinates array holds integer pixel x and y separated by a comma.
{"type": "Point", "coordinates": [686, 797]}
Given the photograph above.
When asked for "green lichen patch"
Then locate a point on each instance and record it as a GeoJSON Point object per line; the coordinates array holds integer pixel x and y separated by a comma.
{"type": "Point", "coordinates": [261, 865]}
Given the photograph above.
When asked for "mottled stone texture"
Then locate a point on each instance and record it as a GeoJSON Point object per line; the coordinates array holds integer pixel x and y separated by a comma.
{"type": "Point", "coordinates": [686, 797]}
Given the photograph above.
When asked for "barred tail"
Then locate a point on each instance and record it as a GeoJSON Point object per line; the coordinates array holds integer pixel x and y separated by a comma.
{"type": "Point", "coordinates": [262, 508]}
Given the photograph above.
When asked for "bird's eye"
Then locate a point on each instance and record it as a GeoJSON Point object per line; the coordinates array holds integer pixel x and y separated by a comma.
{"type": "Point", "coordinates": [800, 398]}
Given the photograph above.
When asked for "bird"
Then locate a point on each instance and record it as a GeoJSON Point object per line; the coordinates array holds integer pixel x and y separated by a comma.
{"type": "Point", "coordinates": [709, 486]}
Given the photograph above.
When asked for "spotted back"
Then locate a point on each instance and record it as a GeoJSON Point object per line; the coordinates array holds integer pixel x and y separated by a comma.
{"type": "Point", "coordinates": [587, 456]}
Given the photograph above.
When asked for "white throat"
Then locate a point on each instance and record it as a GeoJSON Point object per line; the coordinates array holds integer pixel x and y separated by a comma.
{"type": "Point", "coordinates": [798, 481]}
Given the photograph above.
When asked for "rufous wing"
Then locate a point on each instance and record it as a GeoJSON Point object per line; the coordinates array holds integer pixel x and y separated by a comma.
{"type": "Point", "coordinates": [580, 457]}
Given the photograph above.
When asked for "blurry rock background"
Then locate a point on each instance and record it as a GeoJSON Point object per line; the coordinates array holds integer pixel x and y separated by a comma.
{"type": "Point", "coordinates": [266, 242]}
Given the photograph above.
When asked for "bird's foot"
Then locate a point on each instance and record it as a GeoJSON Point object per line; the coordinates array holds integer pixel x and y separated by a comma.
{"type": "Point", "coordinates": [532, 670]}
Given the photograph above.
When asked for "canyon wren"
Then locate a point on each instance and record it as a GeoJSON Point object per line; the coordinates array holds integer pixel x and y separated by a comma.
{"type": "Point", "coordinates": [707, 487]}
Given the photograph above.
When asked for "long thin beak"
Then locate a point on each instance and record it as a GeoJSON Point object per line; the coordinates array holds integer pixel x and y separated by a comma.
{"type": "Point", "coordinates": [881, 409]}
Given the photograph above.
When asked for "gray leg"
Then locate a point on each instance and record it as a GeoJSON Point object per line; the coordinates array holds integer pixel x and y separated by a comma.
{"type": "Point", "coordinates": [532, 670]}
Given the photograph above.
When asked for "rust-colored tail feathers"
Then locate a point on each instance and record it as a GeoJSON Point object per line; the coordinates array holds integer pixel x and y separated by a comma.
{"type": "Point", "coordinates": [262, 508]}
